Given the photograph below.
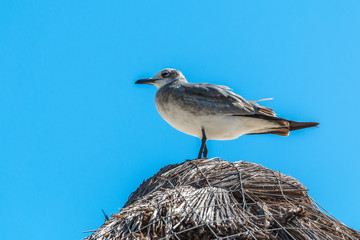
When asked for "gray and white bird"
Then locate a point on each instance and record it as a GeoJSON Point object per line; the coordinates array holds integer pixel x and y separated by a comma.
{"type": "Point", "coordinates": [210, 111]}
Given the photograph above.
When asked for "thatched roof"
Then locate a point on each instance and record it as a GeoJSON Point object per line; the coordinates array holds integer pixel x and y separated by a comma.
{"type": "Point", "coordinates": [215, 199]}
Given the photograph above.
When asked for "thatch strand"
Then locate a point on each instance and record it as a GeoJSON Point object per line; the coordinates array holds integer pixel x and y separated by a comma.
{"type": "Point", "coordinates": [216, 199]}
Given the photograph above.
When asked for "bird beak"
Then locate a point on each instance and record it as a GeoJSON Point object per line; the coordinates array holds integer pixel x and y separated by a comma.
{"type": "Point", "coordinates": [146, 81]}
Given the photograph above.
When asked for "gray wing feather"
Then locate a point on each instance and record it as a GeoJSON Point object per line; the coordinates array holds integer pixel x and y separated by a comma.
{"type": "Point", "coordinates": [218, 98]}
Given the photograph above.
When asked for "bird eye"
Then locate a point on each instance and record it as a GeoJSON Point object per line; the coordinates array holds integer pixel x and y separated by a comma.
{"type": "Point", "coordinates": [165, 74]}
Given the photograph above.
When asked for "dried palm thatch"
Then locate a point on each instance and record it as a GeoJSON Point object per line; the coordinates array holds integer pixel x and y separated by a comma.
{"type": "Point", "coordinates": [215, 199]}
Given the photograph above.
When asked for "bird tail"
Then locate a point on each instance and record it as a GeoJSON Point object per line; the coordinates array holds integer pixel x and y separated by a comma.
{"type": "Point", "coordinates": [291, 126]}
{"type": "Point", "coordinates": [285, 126]}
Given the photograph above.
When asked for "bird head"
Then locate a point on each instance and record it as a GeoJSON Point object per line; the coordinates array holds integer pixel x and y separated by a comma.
{"type": "Point", "coordinates": [162, 78]}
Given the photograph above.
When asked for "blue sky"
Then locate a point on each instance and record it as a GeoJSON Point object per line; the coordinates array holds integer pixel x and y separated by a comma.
{"type": "Point", "coordinates": [77, 136]}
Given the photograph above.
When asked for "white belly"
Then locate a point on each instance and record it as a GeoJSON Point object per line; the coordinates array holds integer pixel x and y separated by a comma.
{"type": "Point", "coordinates": [218, 127]}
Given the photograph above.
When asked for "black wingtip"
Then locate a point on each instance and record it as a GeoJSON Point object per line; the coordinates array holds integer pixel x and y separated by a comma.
{"type": "Point", "coordinates": [301, 125]}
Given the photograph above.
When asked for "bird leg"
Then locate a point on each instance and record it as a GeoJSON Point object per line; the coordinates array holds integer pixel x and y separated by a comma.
{"type": "Point", "coordinates": [203, 148]}
{"type": "Point", "coordinates": [205, 151]}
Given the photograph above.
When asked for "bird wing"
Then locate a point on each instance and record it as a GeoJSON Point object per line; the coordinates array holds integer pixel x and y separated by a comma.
{"type": "Point", "coordinates": [219, 98]}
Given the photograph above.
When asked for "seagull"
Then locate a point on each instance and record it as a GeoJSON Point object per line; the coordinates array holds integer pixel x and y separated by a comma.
{"type": "Point", "coordinates": [210, 111]}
